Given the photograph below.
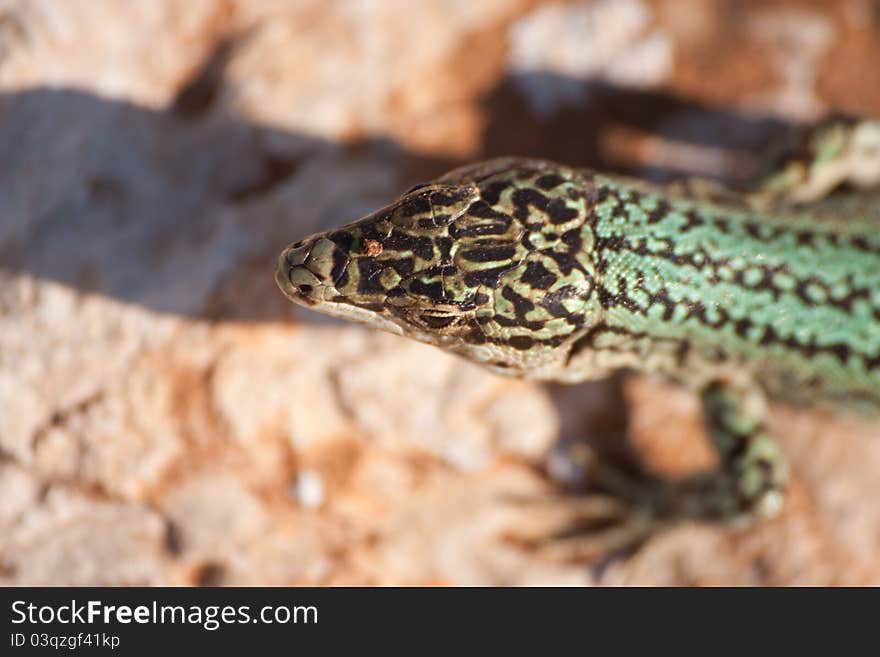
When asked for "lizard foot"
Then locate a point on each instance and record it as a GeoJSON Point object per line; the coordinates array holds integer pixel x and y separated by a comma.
{"type": "Point", "coordinates": [748, 485]}
{"type": "Point", "coordinates": [599, 528]}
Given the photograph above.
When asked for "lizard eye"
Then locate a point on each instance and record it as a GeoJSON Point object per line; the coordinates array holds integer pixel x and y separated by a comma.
{"type": "Point", "coordinates": [433, 321]}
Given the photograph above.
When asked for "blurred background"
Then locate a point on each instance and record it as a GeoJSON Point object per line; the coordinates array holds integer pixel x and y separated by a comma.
{"type": "Point", "coordinates": [167, 417]}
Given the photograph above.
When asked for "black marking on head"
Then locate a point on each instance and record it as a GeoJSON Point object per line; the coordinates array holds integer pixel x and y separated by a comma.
{"type": "Point", "coordinates": [504, 321]}
{"type": "Point", "coordinates": [415, 205]}
{"type": "Point", "coordinates": [449, 197]}
{"type": "Point", "coordinates": [403, 266]}
{"type": "Point", "coordinates": [435, 220]}
{"type": "Point", "coordinates": [441, 270]}
{"type": "Point", "coordinates": [552, 301]}
{"type": "Point", "coordinates": [576, 319]}
{"type": "Point", "coordinates": [559, 212]}
{"type": "Point", "coordinates": [538, 276]}
{"type": "Point", "coordinates": [468, 302]}
{"type": "Point", "coordinates": [421, 247]}
{"type": "Point", "coordinates": [521, 305]}
{"type": "Point", "coordinates": [444, 247]}
{"type": "Point", "coordinates": [489, 254]}
{"type": "Point", "coordinates": [457, 231]}
{"type": "Point", "coordinates": [491, 241]}
{"type": "Point", "coordinates": [483, 210]}
{"type": "Point", "coordinates": [370, 231]}
{"type": "Point", "coordinates": [338, 270]}
{"type": "Point", "coordinates": [521, 342]}
{"type": "Point", "coordinates": [516, 322]}
{"type": "Point", "coordinates": [368, 276]}
{"type": "Point", "coordinates": [573, 239]}
{"type": "Point", "coordinates": [549, 180]}
{"type": "Point", "coordinates": [565, 261]}
{"type": "Point", "coordinates": [433, 290]}
{"type": "Point", "coordinates": [525, 197]}
{"type": "Point", "coordinates": [488, 277]}
{"type": "Point", "coordinates": [492, 192]}
{"type": "Point", "coordinates": [343, 240]}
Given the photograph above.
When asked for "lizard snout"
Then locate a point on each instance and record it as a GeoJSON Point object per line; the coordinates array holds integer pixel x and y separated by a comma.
{"type": "Point", "coordinates": [307, 270]}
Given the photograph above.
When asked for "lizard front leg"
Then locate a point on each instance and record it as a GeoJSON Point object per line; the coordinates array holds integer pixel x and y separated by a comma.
{"type": "Point", "coordinates": [747, 484]}
{"type": "Point", "coordinates": [817, 159]}
{"type": "Point", "coordinates": [751, 476]}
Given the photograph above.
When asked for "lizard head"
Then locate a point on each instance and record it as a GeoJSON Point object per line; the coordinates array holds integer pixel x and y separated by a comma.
{"type": "Point", "coordinates": [490, 262]}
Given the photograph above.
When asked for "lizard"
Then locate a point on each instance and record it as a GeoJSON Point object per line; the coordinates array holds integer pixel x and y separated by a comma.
{"type": "Point", "coordinates": [540, 270]}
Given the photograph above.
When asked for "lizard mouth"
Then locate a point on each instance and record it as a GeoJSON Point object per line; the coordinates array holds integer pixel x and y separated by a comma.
{"type": "Point", "coordinates": [298, 293]}
{"type": "Point", "coordinates": [304, 282]}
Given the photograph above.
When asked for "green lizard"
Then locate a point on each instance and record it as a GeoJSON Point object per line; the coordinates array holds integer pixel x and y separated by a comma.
{"type": "Point", "coordinates": [540, 270]}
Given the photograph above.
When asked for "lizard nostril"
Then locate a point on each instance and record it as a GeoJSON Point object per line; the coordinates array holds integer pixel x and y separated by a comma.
{"type": "Point", "coordinates": [296, 254]}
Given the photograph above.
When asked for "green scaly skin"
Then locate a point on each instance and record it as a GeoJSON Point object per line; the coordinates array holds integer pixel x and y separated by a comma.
{"type": "Point", "coordinates": [540, 270]}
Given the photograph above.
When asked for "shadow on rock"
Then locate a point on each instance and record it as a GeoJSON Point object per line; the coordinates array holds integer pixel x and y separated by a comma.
{"type": "Point", "coordinates": [184, 210]}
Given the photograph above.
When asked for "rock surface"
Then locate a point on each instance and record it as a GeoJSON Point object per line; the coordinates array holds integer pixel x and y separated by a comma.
{"type": "Point", "coordinates": [166, 417]}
